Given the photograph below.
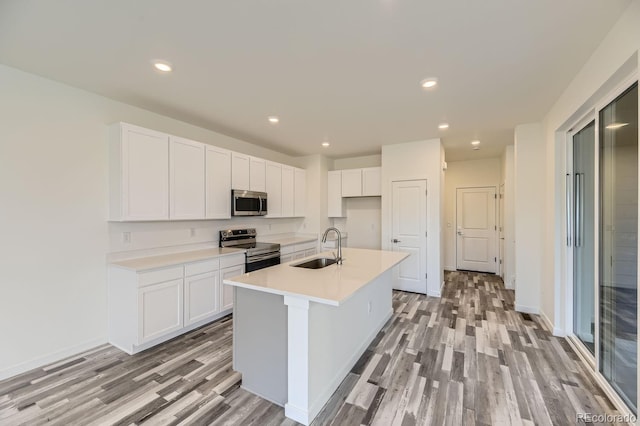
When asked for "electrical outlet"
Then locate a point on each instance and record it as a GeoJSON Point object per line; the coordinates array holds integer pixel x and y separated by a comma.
{"type": "Point", "coordinates": [269, 227]}
{"type": "Point", "coordinates": [192, 232]}
{"type": "Point", "coordinates": [126, 237]}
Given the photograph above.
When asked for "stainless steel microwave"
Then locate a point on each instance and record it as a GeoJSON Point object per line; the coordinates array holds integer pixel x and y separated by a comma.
{"type": "Point", "coordinates": [248, 203]}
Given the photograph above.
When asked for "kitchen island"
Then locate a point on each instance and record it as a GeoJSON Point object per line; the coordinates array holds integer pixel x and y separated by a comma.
{"type": "Point", "coordinates": [298, 332]}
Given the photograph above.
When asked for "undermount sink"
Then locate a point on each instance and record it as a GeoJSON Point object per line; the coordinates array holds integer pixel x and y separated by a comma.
{"type": "Point", "coordinates": [316, 263]}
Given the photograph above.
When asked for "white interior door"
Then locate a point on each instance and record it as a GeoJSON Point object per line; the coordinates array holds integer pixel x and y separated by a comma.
{"type": "Point", "coordinates": [476, 229]}
{"type": "Point", "coordinates": [409, 225]}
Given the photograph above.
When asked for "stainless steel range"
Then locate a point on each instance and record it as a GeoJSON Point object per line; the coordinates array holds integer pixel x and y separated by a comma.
{"type": "Point", "coordinates": [259, 255]}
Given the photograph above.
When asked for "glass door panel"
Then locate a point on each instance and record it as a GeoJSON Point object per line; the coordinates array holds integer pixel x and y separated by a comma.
{"type": "Point", "coordinates": [584, 148]}
{"type": "Point", "coordinates": [618, 267]}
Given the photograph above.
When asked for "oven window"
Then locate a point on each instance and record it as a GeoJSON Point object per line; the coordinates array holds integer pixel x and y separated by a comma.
{"type": "Point", "coordinates": [261, 264]}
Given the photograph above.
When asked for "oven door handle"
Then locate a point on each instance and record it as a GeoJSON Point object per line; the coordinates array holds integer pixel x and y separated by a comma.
{"type": "Point", "coordinates": [258, 258]}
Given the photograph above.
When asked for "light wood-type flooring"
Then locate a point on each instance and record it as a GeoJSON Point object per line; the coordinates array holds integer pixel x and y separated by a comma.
{"type": "Point", "coordinates": [467, 358]}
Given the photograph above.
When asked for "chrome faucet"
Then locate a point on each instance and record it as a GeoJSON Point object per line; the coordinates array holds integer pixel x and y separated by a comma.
{"type": "Point", "coordinates": [324, 240]}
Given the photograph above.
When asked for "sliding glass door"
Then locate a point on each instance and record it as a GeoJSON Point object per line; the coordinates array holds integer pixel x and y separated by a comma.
{"type": "Point", "coordinates": [602, 240]}
{"type": "Point", "coordinates": [583, 180]}
{"type": "Point", "coordinates": [618, 266]}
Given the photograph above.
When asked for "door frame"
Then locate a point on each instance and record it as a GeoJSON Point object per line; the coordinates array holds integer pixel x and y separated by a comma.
{"type": "Point", "coordinates": [496, 247]}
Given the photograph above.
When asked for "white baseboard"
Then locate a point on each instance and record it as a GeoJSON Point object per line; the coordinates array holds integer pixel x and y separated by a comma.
{"type": "Point", "coordinates": [527, 309]}
{"type": "Point", "coordinates": [556, 331]}
{"type": "Point", "coordinates": [298, 414]}
{"type": "Point", "coordinates": [50, 358]}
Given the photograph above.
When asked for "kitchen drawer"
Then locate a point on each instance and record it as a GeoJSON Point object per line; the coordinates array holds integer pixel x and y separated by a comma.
{"type": "Point", "coordinates": [160, 275]}
{"type": "Point", "coordinates": [287, 249]}
{"type": "Point", "coordinates": [202, 267]}
{"type": "Point", "coordinates": [306, 246]}
{"type": "Point", "coordinates": [232, 260]}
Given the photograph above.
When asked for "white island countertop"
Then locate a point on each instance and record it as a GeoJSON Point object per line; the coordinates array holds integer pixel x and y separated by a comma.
{"type": "Point", "coordinates": [162, 261]}
{"type": "Point", "coordinates": [331, 285]}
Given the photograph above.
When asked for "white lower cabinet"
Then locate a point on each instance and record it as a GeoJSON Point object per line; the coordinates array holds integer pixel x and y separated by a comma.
{"type": "Point", "coordinates": [149, 307]}
{"type": "Point", "coordinates": [201, 297]}
{"type": "Point", "coordinates": [226, 293]}
{"type": "Point", "coordinates": [159, 310]}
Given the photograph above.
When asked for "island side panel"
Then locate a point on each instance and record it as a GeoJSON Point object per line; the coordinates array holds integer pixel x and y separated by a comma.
{"type": "Point", "coordinates": [260, 343]}
{"type": "Point", "coordinates": [338, 336]}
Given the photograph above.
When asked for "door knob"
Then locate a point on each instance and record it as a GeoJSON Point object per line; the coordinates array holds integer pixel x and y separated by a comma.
{"type": "Point", "coordinates": [395, 241]}
{"type": "Point", "coordinates": [460, 233]}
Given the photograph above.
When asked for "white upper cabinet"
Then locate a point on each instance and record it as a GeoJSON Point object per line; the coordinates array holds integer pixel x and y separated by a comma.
{"type": "Point", "coordinates": [335, 202]}
{"type": "Point", "coordinates": [300, 192]}
{"type": "Point", "coordinates": [361, 182]}
{"type": "Point", "coordinates": [371, 182]}
{"type": "Point", "coordinates": [139, 174]}
{"type": "Point", "coordinates": [274, 189]}
{"type": "Point", "coordinates": [288, 195]}
{"type": "Point", "coordinates": [240, 171]}
{"type": "Point", "coordinates": [257, 176]}
{"type": "Point", "coordinates": [352, 183]}
{"type": "Point", "coordinates": [218, 183]}
{"type": "Point", "coordinates": [155, 176]}
{"type": "Point", "coordinates": [186, 179]}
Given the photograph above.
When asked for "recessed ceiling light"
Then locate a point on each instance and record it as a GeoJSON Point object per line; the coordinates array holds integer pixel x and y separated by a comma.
{"type": "Point", "coordinates": [614, 126]}
{"type": "Point", "coordinates": [274, 120]}
{"type": "Point", "coordinates": [162, 66]}
{"type": "Point", "coordinates": [428, 83]}
{"type": "Point", "coordinates": [443, 126]}
{"type": "Point", "coordinates": [475, 143]}
{"type": "Point", "coordinates": [325, 144]}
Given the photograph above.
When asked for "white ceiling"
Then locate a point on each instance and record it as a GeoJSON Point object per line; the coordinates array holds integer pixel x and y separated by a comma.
{"type": "Point", "coordinates": [348, 71]}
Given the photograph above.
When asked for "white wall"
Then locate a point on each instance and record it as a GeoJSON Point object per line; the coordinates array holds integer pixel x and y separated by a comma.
{"type": "Point", "coordinates": [464, 174]}
{"type": "Point", "coordinates": [530, 172]}
{"type": "Point", "coordinates": [53, 215]}
{"type": "Point", "coordinates": [413, 161]}
{"type": "Point", "coordinates": [357, 162]}
{"type": "Point", "coordinates": [363, 222]}
{"type": "Point", "coordinates": [612, 60]}
{"type": "Point", "coordinates": [316, 215]}
{"type": "Point", "coordinates": [508, 179]}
